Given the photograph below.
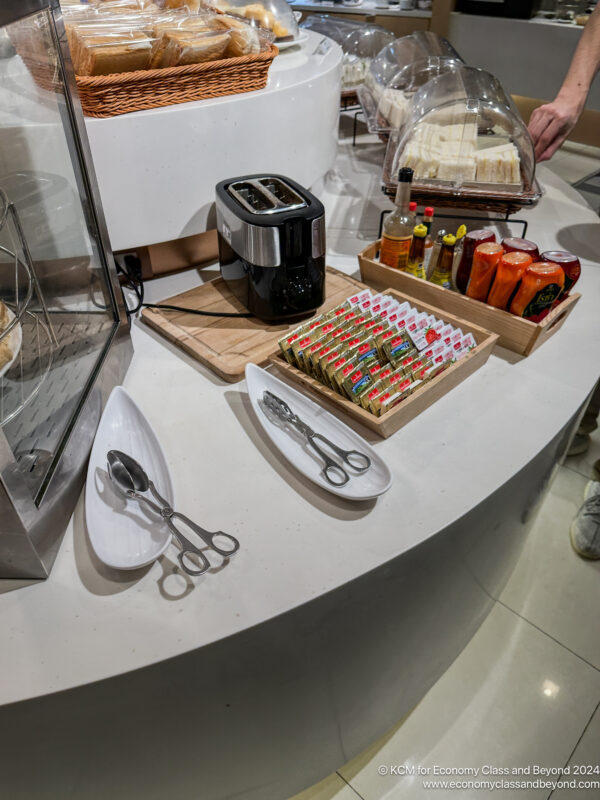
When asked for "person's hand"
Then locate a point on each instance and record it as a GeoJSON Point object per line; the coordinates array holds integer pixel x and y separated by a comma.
{"type": "Point", "coordinates": [550, 125]}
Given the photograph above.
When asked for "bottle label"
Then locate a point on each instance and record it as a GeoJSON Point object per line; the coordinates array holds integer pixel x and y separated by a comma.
{"type": "Point", "coordinates": [417, 268]}
{"type": "Point", "coordinates": [542, 301]}
{"type": "Point", "coordinates": [394, 251]}
{"type": "Point", "coordinates": [441, 278]}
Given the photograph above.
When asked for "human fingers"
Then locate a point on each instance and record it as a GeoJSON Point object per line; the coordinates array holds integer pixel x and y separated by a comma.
{"type": "Point", "coordinates": [552, 132]}
{"type": "Point", "coordinates": [538, 122]}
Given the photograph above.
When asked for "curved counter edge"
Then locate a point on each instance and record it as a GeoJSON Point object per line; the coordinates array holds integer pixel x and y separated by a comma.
{"type": "Point", "coordinates": [262, 714]}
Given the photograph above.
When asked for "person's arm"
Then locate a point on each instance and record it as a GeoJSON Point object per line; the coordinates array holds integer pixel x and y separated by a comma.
{"type": "Point", "coordinates": [550, 124]}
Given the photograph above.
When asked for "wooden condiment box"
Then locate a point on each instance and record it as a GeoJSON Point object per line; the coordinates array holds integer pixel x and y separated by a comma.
{"type": "Point", "coordinates": [423, 397]}
{"type": "Point", "coordinates": [515, 333]}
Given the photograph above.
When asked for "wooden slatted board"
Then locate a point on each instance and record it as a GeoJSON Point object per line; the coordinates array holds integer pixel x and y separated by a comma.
{"type": "Point", "coordinates": [227, 344]}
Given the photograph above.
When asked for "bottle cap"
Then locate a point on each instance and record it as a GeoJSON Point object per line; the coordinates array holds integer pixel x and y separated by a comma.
{"type": "Point", "coordinates": [449, 239]}
{"type": "Point", "coordinates": [420, 231]}
{"type": "Point", "coordinates": [412, 206]}
{"type": "Point", "coordinates": [405, 175]}
{"type": "Point", "coordinates": [429, 211]}
{"type": "Point", "coordinates": [461, 231]}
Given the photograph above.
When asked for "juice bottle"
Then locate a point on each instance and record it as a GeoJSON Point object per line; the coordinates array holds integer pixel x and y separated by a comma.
{"type": "Point", "coordinates": [416, 256]}
{"type": "Point", "coordinates": [442, 272]}
{"type": "Point", "coordinates": [471, 241]}
{"type": "Point", "coordinates": [541, 285]}
{"type": "Point", "coordinates": [397, 230]}
{"type": "Point", "coordinates": [511, 245]}
{"type": "Point", "coordinates": [570, 265]}
{"type": "Point", "coordinates": [483, 270]}
{"type": "Point", "coordinates": [508, 274]}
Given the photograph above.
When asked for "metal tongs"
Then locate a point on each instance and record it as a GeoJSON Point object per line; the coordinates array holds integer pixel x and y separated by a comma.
{"type": "Point", "coordinates": [130, 478]}
{"type": "Point", "coordinates": [333, 472]}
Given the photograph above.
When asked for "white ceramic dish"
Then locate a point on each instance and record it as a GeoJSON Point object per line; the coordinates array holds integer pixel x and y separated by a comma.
{"type": "Point", "coordinates": [374, 482]}
{"type": "Point", "coordinates": [122, 532]}
{"type": "Point", "coordinates": [293, 42]}
{"type": "Point", "coordinates": [15, 338]}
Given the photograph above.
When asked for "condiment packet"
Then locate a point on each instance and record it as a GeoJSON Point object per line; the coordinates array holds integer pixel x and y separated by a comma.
{"type": "Point", "coordinates": [338, 311]}
{"type": "Point", "coordinates": [357, 382]}
{"type": "Point", "coordinates": [396, 348]}
{"type": "Point", "coordinates": [360, 297]}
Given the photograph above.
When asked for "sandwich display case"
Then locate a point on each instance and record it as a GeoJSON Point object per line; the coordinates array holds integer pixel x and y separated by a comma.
{"type": "Point", "coordinates": [467, 144]}
{"type": "Point", "coordinates": [63, 332]}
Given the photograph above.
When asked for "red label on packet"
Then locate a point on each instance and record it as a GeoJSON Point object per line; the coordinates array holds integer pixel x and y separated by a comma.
{"type": "Point", "coordinates": [356, 376]}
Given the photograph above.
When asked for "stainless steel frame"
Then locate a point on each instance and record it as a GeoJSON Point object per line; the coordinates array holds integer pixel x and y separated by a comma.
{"type": "Point", "coordinates": [31, 530]}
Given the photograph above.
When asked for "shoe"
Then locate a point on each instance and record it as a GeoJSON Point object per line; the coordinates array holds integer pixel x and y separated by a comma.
{"type": "Point", "coordinates": [585, 528]}
{"type": "Point", "coordinates": [579, 445]}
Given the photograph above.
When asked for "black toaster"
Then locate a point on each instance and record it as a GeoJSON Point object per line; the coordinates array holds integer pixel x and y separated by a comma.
{"type": "Point", "coordinates": [272, 245]}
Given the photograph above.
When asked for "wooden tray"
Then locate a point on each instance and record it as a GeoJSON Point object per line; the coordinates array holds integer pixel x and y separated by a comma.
{"type": "Point", "coordinates": [515, 333]}
{"type": "Point", "coordinates": [423, 398]}
{"type": "Point", "coordinates": [227, 344]}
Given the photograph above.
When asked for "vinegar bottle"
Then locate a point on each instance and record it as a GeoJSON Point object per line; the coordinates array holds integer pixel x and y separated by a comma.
{"type": "Point", "coordinates": [397, 230]}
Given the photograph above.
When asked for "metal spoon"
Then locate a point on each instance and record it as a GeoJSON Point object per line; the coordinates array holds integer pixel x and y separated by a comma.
{"type": "Point", "coordinates": [131, 480]}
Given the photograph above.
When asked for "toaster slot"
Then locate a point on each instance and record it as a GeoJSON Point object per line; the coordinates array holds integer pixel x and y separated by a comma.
{"type": "Point", "coordinates": [288, 198]}
{"type": "Point", "coordinates": [252, 198]}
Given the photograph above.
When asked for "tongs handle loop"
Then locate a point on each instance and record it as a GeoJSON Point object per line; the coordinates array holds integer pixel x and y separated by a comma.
{"type": "Point", "coordinates": [360, 462]}
{"type": "Point", "coordinates": [333, 472]}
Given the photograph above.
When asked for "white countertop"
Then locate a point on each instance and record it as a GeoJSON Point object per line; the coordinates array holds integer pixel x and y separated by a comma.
{"type": "Point", "coordinates": [85, 623]}
{"type": "Point", "coordinates": [366, 7]}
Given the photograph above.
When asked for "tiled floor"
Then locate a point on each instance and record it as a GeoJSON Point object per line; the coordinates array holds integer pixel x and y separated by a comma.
{"type": "Point", "coordinates": [526, 690]}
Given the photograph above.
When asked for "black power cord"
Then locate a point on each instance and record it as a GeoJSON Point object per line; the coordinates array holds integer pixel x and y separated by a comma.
{"type": "Point", "coordinates": [132, 271]}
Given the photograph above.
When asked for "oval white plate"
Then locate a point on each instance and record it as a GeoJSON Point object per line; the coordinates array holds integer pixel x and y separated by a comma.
{"type": "Point", "coordinates": [122, 532]}
{"type": "Point", "coordinates": [374, 482]}
{"type": "Point", "coordinates": [293, 42]}
{"type": "Point", "coordinates": [15, 337]}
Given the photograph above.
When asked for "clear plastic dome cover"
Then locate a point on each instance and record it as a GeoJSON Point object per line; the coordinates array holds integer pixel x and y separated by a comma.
{"type": "Point", "coordinates": [360, 47]}
{"type": "Point", "coordinates": [464, 133]}
{"type": "Point", "coordinates": [273, 15]}
{"type": "Point", "coordinates": [402, 53]}
{"type": "Point", "coordinates": [394, 106]}
{"type": "Point", "coordinates": [335, 28]}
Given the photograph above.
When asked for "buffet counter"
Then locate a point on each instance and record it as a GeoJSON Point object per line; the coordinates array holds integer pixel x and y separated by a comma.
{"type": "Point", "coordinates": [333, 620]}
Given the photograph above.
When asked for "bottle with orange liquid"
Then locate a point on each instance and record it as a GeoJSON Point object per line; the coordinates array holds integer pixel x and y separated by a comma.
{"type": "Point", "coordinates": [483, 270]}
{"type": "Point", "coordinates": [397, 231]}
{"type": "Point", "coordinates": [541, 284]}
{"type": "Point", "coordinates": [508, 275]}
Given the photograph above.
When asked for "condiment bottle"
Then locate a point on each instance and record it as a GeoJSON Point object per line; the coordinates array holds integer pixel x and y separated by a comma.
{"type": "Point", "coordinates": [541, 284]}
{"type": "Point", "coordinates": [511, 245]}
{"type": "Point", "coordinates": [416, 257]}
{"type": "Point", "coordinates": [570, 265]}
{"type": "Point", "coordinates": [412, 213]}
{"type": "Point", "coordinates": [508, 274]}
{"type": "Point", "coordinates": [470, 242]}
{"type": "Point", "coordinates": [427, 221]}
{"type": "Point", "coordinates": [483, 270]}
{"type": "Point", "coordinates": [434, 253]}
{"type": "Point", "coordinates": [397, 230]}
{"type": "Point", "coordinates": [442, 273]}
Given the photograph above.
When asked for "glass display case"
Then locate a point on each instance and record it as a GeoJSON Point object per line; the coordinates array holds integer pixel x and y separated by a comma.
{"type": "Point", "coordinates": [64, 338]}
{"type": "Point", "coordinates": [465, 140]}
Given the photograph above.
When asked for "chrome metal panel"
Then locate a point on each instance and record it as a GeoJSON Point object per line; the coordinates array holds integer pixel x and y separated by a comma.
{"type": "Point", "coordinates": [318, 237]}
{"type": "Point", "coordinates": [256, 244]}
{"type": "Point", "coordinates": [264, 190]}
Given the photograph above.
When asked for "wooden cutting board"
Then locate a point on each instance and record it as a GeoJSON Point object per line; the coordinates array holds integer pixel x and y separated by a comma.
{"type": "Point", "coordinates": [227, 344]}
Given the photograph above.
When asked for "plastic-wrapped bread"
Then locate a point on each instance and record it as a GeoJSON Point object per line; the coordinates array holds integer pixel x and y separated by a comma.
{"type": "Point", "coordinates": [187, 47]}
{"type": "Point", "coordinates": [191, 5]}
{"type": "Point", "coordinates": [243, 41]}
{"type": "Point", "coordinates": [163, 29]}
{"type": "Point", "coordinates": [113, 53]}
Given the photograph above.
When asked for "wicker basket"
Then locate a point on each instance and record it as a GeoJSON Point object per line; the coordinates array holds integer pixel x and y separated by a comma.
{"type": "Point", "coordinates": [110, 95]}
